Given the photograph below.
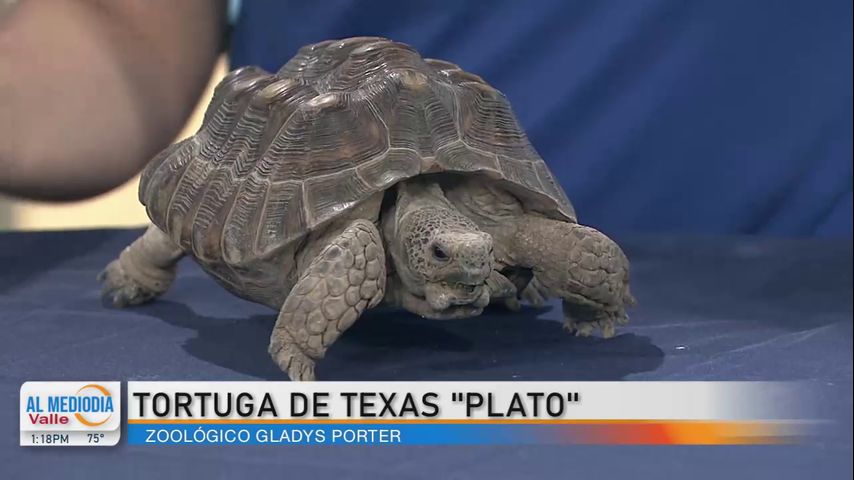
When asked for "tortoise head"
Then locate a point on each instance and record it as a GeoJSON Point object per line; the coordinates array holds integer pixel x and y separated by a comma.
{"type": "Point", "coordinates": [442, 259]}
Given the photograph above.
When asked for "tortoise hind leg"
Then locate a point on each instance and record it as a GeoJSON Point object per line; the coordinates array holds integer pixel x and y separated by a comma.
{"type": "Point", "coordinates": [346, 278]}
{"type": "Point", "coordinates": [143, 271]}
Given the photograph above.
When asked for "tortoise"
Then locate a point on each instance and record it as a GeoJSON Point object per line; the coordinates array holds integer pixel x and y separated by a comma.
{"type": "Point", "coordinates": [361, 173]}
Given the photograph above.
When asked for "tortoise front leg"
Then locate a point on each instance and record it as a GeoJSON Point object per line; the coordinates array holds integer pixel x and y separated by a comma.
{"type": "Point", "coordinates": [579, 264]}
{"type": "Point", "coordinates": [143, 271]}
{"type": "Point", "coordinates": [346, 278]}
{"type": "Point", "coordinates": [502, 290]}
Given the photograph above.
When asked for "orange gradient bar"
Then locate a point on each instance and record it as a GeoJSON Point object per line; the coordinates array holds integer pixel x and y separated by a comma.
{"type": "Point", "coordinates": [688, 433]}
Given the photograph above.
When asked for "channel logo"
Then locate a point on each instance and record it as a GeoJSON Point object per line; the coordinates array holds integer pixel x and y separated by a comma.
{"type": "Point", "coordinates": [70, 413]}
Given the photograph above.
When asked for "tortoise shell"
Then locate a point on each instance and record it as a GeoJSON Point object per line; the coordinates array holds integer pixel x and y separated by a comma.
{"type": "Point", "coordinates": [279, 155]}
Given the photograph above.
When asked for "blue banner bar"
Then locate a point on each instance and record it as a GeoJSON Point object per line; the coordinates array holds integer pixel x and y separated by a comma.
{"type": "Point", "coordinates": [341, 434]}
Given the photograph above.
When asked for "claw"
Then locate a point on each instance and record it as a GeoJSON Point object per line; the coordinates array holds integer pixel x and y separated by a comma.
{"type": "Point", "coordinates": [607, 327]}
{"type": "Point", "coordinates": [289, 358]}
{"type": "Point", "coordinates": [513, 304]}
{"type": "Point", "coordinates": [534, 293]}
{"type": "Point", "coordinates": [120, 288]}
{"type": "Point", "coordinates": [607, 324]}
{"type": "Point", "coordinates": [579, 329]}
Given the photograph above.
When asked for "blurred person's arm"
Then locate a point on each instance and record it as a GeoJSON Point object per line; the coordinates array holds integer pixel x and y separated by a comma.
{"type": "Point", "coordinates": [91, 90]}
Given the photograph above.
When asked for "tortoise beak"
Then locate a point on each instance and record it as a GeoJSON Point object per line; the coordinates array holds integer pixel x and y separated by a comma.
{"type": "Point", "coordinates": [442, 295]}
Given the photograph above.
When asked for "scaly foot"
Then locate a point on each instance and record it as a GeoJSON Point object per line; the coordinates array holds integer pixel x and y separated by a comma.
{"type": "Point", "coordinates": [586, 325]}
{"type": "Point", "coordinates": [123, 288]}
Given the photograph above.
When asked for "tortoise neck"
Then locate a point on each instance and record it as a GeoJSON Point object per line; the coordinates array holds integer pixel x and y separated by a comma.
{"type": "Point", "coordinates": [414, 195]}
{"type": "Point", "coordinates": [417, 193]}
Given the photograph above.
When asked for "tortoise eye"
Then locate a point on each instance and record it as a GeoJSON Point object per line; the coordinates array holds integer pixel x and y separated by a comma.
{"type": "Point", "coordinates": [439, 253]}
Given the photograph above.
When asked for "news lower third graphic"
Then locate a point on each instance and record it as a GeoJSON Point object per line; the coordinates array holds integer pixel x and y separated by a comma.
{"type": "Point", "coordinates": [415, 413]}
{"type": "Point", "coordinates": [70, 413]}
{"type": "Point", "coordinates": [457, 413]}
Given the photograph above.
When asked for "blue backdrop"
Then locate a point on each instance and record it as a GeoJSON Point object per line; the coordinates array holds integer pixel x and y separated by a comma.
{"type": "Point", "coordinates": [656, 115]}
